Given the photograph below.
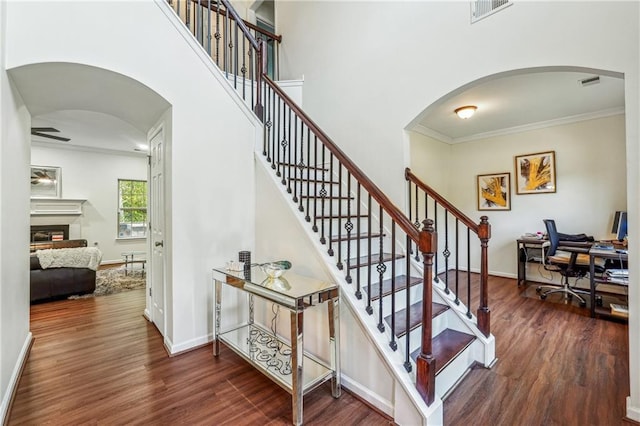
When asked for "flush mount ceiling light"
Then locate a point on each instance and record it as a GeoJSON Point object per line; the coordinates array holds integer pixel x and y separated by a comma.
{"type": "Point", "coordinates": [466, 111]}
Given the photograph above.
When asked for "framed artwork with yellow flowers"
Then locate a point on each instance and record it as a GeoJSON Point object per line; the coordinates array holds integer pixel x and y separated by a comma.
{"type": "Point", "coordinates": [494, 191]}
{"type": "Point", "coordinates": [536, 173]}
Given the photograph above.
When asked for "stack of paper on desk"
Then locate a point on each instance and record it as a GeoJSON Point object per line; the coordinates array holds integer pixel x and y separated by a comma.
{"type": "Point", "coordinates": [618, 276]}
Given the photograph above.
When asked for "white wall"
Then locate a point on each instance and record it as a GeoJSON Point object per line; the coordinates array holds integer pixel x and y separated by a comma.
{"type": "Point", "coordinates": [14, 228]}
{"type": "Point", "coordinates": [93, 176]}
{"type": "Point", "coordinates": [210, 186]}
{"type": "Point", "coordinates": [430, 161]}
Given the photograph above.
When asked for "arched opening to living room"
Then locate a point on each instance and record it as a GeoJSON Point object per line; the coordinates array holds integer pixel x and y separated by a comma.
{"type": "Point", "coordinates": [101, 122]}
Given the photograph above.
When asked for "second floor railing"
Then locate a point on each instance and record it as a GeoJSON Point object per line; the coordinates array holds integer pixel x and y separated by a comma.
{"type": "Point", "coordinates": [239, 48]}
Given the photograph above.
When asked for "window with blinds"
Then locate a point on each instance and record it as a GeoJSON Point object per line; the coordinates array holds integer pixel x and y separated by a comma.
{"type": "Point", "coordinates": [483, 8]}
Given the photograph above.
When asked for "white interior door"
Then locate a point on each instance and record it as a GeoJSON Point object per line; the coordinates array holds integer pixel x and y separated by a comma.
{"type": "Point", "coordinates": [156, 227]}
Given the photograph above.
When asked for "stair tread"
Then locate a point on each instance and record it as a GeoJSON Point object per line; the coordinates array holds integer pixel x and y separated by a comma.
{"type": "Point", "coordinates": [415, 317]}
{"type": "Point", "coordinates": [362, 235]}
{"type": "Point", "coordinates": [401, 284]}
{"type": "Point", "coordinates": [375, 258]}
{"type": "Point", "coordinates": [446, 346]}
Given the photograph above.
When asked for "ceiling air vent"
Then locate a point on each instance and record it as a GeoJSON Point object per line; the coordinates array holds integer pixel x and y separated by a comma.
{"type": "Point", "coordinates": [483, 8]}
{"type": "Point", "coordinates": [590, 80]}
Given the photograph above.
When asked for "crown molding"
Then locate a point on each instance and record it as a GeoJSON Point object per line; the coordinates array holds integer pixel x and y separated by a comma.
{"type": "Point", "coordinates": [520, 129]}
{"type": "Point", "coordinates": [72, 147]}
{"type": "Point", "coordinates": [424, 130]}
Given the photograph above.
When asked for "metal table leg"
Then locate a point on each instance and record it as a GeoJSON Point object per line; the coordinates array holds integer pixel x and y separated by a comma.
{"type": "Point", "coordinates": [218, 310]}
{"type": "Point", "coordinates": [333, 307]}
{"type": "Point", "coordinates": [297, 356]}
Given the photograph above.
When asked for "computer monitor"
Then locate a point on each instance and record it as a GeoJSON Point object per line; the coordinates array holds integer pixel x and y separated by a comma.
{"type": "Point", "coordinates": [620, 225]}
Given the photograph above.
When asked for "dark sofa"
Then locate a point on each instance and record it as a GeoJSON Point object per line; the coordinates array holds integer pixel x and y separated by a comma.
{"type": "Point", "coordinates": [52, 283]}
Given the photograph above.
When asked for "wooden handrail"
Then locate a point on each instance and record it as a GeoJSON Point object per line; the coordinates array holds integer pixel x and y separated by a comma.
{"type": "Point", "coordinates": [377, 194]}
{"type": "Point", "coordinates": [441, 200]}
{"type": "Point", "coordinates": [234, 16]}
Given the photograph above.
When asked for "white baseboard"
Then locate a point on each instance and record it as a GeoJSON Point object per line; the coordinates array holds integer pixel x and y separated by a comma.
{"type": "Point", "coordinates": [633, 413]}
{"type": "Point", "coordinates": [366, 395]}
{"type": "Point", "coordinates": [176, 349]}
{"type": "Point", "coordinates": [15, 378]}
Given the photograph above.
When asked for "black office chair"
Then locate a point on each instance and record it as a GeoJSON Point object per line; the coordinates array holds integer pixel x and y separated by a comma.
{"type": "Point", "coordinates": [567, 254]}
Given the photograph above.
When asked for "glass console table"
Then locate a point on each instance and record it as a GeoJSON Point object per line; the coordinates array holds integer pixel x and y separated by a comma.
{"type": "Point", "coordinates": [285, 363]}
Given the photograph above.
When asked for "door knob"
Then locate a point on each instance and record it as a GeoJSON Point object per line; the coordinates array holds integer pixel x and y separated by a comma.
{"type": "Point", "coordinates": [159, 243]}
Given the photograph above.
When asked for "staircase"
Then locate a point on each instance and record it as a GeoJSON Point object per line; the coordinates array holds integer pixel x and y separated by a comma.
{"type": "Point", "coordinates": [386, 262]}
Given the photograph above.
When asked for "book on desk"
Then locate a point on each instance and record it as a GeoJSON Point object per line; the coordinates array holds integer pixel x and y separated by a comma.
{"type": "Point", "coordinates": [619, 310]}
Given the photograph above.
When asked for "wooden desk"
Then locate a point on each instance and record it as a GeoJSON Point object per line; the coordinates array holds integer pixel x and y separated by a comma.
{"type": "Point", "coordinates": [594, 254]}
{"type": "Point", "coordinates": [529, 250]}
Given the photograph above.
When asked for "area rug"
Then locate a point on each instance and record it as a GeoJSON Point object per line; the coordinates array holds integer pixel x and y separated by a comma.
{"type": "Point", "coordinates": [114, 280]}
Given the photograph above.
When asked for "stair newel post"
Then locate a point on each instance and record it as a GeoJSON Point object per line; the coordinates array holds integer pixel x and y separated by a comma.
{"type": "Point", "coordinates": [426, 364]}
{"type": "Point", "coordinates": [484, 314]}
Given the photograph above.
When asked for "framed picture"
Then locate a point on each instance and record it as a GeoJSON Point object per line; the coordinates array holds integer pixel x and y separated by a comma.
{"type": "Point", "coordinates": [45, 182]}
{"type": "Point", "coordinates": [536, 173]}
{"type": "Point", "coordinates": [494, 191]}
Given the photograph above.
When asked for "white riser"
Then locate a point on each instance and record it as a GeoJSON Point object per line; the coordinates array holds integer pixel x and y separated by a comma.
{"type": "Point", "coordinates": [450, 376]}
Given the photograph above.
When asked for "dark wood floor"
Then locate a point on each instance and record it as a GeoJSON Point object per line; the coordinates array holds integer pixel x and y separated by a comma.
{"type": "Point", "coordinates": [98, 361]}
{"type": "Point", "coordinates": [556, 365]}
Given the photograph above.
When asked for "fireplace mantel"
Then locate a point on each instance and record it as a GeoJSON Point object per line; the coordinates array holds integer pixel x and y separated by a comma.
{"type": "Point", "coordinates": [56, 206]}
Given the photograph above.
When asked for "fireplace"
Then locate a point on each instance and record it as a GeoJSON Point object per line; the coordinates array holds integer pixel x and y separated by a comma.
{"type": "Point", "coordinates": [49, 232]}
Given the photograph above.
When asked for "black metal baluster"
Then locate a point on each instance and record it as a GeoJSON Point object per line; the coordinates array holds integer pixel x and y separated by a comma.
{"type": "Point", "coordinates": [331, 200]}
{"type": "Point", "coordinates": [209, 27]}
{"type": "Point", "coordinates": [416, 223]}
{"type": "Point", "coordinates": [187, 17]}
{"type": "Point", "coordinates": [410, 210]}
{"type": "Point", "coordinates": [339, 227]}
{"type": "Point", "coordinates": [407, 323]}
{"type": "Point", "coordinates": [298, 186]}
{"type": "Point", "coordinates": [251, 78]}
{"type": "Point", "coordinates": [457, 249]}
{"type": "Point", "coordinates": [293, 163]}
{"type": "Point", "coordinates": [286, 154]}
{"type": "Point", "coordinates": [235, 55]}
{"type": "Point", "coordinates": [381, 268]}
{"type": "Point", "coordinates": [315, 177]}
{"type": "Point", "coordinates": [323, 196]}
{"type": "Point", "coordinates": [227, 40]}
{"type": "Point", "coordinates": [393, 344]}
{"type": "Point", "coordinates": [446, 253]}
{"type": "Point", "coordinates": [307, 217]}
{"type": "Point", "coordinates": [468, 273]}
{"type": "Point", "coordinates": [269, 124]}
{"type": "Point", "coordinates": [369, 283]}
{"type": "Point", "coordinates": [217, 34]}
{"type": "Point", "coordinates": [348, 226]}
{"type": "Point", "coordinates": [358, 233]}
{"type": "Point", "coordinates": [199, 24]}
{"type": "Point", "coordinates": [243, 69]}
{"type": "Point", "coordinates": [435, 227]}
{"type": "Point", "coordinates": [275, 153]}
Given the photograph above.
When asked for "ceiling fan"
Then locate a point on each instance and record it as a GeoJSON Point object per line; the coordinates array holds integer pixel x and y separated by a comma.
{"type": "Point", "coordinates": [42, 131]}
